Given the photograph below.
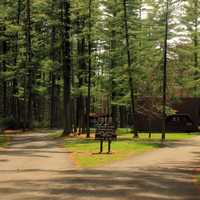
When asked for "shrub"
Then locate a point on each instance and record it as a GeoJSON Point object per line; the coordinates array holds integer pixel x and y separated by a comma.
{"type": "Point", "coordinates": [8, 123]}
{"type": "Point", "coordinates": [40, 124]}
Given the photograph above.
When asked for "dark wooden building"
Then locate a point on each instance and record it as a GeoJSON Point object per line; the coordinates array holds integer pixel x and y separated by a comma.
{"type": "Point", "coordinates": [184, 114]}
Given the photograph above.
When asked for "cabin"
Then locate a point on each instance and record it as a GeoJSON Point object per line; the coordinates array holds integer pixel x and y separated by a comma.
{"type": "Point", "coordinates": [186, 116]}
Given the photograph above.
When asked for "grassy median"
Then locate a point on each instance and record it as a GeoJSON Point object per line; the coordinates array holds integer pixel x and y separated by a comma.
{"type": "Point", "coordinates": [3, 141]}
{"type": "Point", "coordinates": [198, 179]}
{"type": "Point", "coordinates": [85, 152]}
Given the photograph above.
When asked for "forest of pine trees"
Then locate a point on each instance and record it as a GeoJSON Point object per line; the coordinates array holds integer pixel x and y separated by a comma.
{"type": "Point", "coordinates": [61, 60]}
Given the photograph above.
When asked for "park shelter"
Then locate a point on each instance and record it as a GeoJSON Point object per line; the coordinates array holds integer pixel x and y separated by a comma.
{"type": "Point", "coordinates": [149, 117]}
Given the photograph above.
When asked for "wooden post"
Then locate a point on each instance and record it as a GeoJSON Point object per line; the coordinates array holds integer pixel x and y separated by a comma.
{"type": "Point", "coordinates": [109, 145]}
{"type": "Point", "coordinates": [101, 146]}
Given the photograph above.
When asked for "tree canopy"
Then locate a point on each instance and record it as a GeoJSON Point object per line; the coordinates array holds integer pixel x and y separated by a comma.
{"type": "Point", "coordinates": [62, 60]}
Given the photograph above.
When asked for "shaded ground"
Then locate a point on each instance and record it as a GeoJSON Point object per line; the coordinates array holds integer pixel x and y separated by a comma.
{"type": "Point", "coordinates": [38, 168]}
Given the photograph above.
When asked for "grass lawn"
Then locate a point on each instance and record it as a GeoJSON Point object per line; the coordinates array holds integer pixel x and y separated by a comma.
{"type": "Point", "coordinates": [3, 141]}
{"type": "Point", "coordinates": [85, 152]}
{"type": "Point", "coordinates": [198, 179]}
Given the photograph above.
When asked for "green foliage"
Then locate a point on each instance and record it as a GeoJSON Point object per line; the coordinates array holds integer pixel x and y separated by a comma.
{"type": "Point", "coordinates": [198, 179]}
{"type": "Point", "coordinates": [41, 124]}
{"type": "Point", "coordinates": [3, 141]}
{"type": "Point", "coordinates": [110, 76]}
{"type": "Point", "coordinates": [8, 123]}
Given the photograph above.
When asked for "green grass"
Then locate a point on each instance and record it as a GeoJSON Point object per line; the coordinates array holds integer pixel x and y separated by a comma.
{"type": "Point", "coordinates": [55, 134]}
{"type": "Point", "coordinates": [157, 136]}
{"type": "Point", "coordinates": [3, 141]}
{"type": "Point", "coordinates": [85, 151]}
{"type": "Point", "coordinates": [198, 179]}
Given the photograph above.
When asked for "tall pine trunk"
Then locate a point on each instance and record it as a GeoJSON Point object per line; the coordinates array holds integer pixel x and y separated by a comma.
{"type": "Point", "coordinates": [66, 59]}
{"type": "Point", "coordinates": [29, 65]}
{"type": "Point", "coordinates": [130, 75]}
{"type": "Point", "coordinates": [89, 67]}
{"type": "Point", "coordinates": [165, 51]}
{"type": "Point", "coordinates": [14, 101]}
{"type": "Point", "coordinates": [82, 69]}
{"type": "Point", "coordinates": [196, 41]}
{"type": "Point", "coordinates": [52, 74]}
{"type": "Point", "coordinates": [4, 81]}
{"type": "Point", "coordinates": [114, 108]}
{"type": "Point", "coordinates": [81, 77]}
{"type": "Point", "coordinates": [113, 63]}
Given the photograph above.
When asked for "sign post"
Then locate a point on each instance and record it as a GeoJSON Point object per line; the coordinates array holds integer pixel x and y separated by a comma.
{"type": "Point", "coordinates": [105, 133]}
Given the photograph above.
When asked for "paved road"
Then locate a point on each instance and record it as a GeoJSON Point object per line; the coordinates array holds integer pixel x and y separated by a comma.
{"type": "Point", "coordinates": [38, 168]}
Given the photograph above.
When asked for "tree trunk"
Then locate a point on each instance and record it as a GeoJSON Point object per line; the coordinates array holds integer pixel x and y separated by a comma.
{"type": "Point", "coordinates": [113, 63]}
{"type": "Point", "coordinates": [165, 51]}
{"type": "Point", "coordinates": [126, 29]}
{"type": "Point", "coordinates": [52, 109]}
{"type": "Point", "coordinates": [52, 74]}
{"type": "Point", "coordinates": [66, 54]}
{"type": "Point", "coordinates": [4, 82]}
{"type": "Point", "coordinates": [29, 64]}
{"type": "Point", "coordinates": [89, 67]}
{"type": "Point", "coordinates": [14, 101]}
{"type": "Point", "coordinates": [82, 68]}
{"type": "Point", "coordinates": [195, 41]}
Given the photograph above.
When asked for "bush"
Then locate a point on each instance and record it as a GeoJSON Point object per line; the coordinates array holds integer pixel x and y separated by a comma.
{"type": "Point", "coordinates": [40, 124]}
{"type": "Point", "coordinates": [8, 123]}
